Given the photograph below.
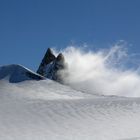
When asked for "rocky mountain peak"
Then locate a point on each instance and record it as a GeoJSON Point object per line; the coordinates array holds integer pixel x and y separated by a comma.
{"type": "Point", "coordinates": [49, 56]}
{"type": "Point", "coordinates": [60, 57]}
{"type": "Point", "coordinates": [51, 65]}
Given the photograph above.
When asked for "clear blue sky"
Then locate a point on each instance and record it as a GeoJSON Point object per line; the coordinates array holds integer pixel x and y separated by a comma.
{"type": "Point", "coordinates": [29, 27]}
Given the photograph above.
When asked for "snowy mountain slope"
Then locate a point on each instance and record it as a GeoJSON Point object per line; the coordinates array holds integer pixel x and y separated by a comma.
{"type": "Point", "coordinates": [17, 73]}
{"type": "Point", "coordinates": [46, 110]}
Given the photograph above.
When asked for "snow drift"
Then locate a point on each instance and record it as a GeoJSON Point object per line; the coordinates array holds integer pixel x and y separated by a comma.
{"type": "Point", "coordinates": [46, 110]}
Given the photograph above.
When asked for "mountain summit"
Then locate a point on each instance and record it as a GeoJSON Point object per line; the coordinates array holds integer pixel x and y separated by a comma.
{"type": "Point", "coordinates": [51, 66]}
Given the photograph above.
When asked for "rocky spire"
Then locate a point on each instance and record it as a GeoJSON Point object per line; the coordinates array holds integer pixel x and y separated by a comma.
{"type": "Point", "coordinates": [48, 58]}
{"type": "Point", "coordinates": [60, 61]}
{"type": "Point", "coordinates": [50, 66]}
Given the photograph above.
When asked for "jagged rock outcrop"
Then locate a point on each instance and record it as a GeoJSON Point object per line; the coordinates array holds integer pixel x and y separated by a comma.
{"type": "Point", "coordinates": [51, 66]}
{"type": "Point", "coordinates": [48, 58]}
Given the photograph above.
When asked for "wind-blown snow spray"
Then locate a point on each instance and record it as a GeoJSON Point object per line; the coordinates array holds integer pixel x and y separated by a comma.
{"type": "Point", "coordinates": [100, 72]}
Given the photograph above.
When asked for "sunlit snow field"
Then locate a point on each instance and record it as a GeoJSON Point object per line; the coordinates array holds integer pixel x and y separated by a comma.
{"type": "Point", "coordinates": [45, 110]}
{"type": "Point", "coordinates": [99, 101]}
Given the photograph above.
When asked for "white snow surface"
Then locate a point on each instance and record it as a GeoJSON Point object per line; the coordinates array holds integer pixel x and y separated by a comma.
{"type": "Point", "coordinates": [46, 110]}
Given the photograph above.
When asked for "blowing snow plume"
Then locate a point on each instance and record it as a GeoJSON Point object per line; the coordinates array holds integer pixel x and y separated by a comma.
{"type": "Point", "coordinates": [100, 72]}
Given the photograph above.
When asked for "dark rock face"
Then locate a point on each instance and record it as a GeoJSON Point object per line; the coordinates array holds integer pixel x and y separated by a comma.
{"type": "Point", "coordinates": [48, 58]}
{"type": "Point", "coordinates": [51, 66]}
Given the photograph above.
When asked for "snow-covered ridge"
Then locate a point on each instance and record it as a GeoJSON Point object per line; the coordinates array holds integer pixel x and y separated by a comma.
{"type": "Point", "coordinates": [18, 73]}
